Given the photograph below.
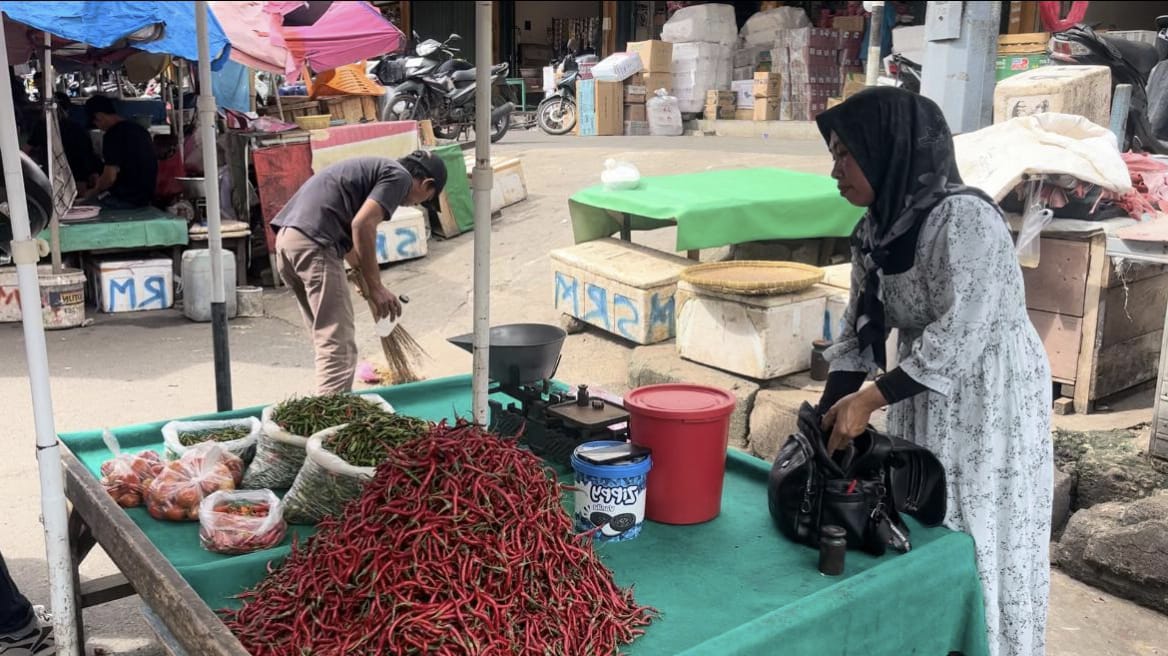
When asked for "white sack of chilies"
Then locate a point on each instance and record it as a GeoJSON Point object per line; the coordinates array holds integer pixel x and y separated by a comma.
{"type": "Point", "coordinates": [995, 159]}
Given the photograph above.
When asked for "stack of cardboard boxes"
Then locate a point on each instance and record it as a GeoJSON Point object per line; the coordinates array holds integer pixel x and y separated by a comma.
{"type": "Point", "coordinates": [656, 57]}
{"type": "Point", "coordinates": [767, 91]}
{"type": "Point", "coordinates": [600, 108]}
{"type": "Point", "coordinates": [720, 104]}
{"type": "Point", "coordinates": [810, 56]}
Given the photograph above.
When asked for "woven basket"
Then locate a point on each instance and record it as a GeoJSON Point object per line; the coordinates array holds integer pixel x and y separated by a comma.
{"type": "Point", "coordinates": [314, 121]}
{"type": "Point", "coordinates": [753, 278]}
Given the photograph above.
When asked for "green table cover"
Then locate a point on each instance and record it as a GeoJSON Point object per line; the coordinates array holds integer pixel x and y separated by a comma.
{"type": "Point", "coordinates": [719, 208]}
{"type": "Point", "coordinates": [729, 586]}
{"type": "Point", "coordinates": [144, 227]}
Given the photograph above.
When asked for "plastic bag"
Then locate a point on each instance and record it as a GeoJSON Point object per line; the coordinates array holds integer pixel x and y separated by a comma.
{"type": "Point", "coordinates": [664, 115]}
{"type": "Point", "coordinates": [280, 455]}
{"type": "Point", "coordinates": [126, 476]}
{"type": "Point", "coordinates": [237, 522]}
{"type": "Point", "coordinates": [1036, 218]}
{"type": "Point", "coordinates": [176, 493]}
{"type": "Point", "coordinates": [175, 432]}
{"type": "Point", "coordinates": [620, 175]}
{"type": "Point", "coordinates": [325, 483]}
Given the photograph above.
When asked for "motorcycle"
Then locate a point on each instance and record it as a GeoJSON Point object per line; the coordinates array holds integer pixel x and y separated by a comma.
{"type": "Point", "coordinates": [1141, 65]}
{"type": "Point", "coordinates": [556, 114]}
{"type": "Point", "coordinates": [438, 87]}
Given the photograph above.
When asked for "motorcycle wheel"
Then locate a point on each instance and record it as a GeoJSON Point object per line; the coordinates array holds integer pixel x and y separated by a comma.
{"type": "Point", "coordinates": [556, 116]}
{"type": "Point", "coordinates": [502, 125]}
{"type": "Point", "coordinates": [401, 107]}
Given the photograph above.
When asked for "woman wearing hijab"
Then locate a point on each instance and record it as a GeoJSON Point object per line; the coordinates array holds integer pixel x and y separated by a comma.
{"type": "Point", "coordinates": [934, 259]}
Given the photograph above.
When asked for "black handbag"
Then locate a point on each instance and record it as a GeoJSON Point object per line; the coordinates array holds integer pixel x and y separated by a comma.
{"type": "Point", "coordinates": [863, 489]}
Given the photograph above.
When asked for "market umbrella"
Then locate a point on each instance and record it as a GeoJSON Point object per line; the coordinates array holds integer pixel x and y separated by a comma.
{"type": "Point", "coordinates": [325, 34]}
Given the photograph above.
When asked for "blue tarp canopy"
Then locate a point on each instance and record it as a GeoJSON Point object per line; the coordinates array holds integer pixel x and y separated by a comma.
{"type": "Point", "coordinates": [166, 28]}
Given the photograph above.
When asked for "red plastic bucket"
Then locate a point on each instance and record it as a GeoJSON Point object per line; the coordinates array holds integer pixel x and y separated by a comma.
{"type": "Point", "coordinates": [687, 427]}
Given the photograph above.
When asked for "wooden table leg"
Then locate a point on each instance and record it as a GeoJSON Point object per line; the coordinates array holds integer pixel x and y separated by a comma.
{"type": "Point", "coordinates": [81, 542]}
{"type": "Point", "coordinates": [241, 261]}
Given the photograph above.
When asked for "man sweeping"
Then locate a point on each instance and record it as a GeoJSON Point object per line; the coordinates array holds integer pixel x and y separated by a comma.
{"type": "Point", "coordinates": [332, 219]}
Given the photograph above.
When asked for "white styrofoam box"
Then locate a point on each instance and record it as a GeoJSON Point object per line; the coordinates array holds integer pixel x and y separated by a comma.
{"type": "Point", "coordinates": [715, 23]}
{"type": "Point", "coordinates": [765, 27]}
{"type": "Point", "coordinates": [9, 295]}
{"type": "Point", "coordinates": [405, 236]}
{"type": "Point", "coordinates": [618, 67]}
{"type": "Point", "coordinates": [625, 289]}
{"type": "Point", "coordinates": [761, 337]}
{"type": "Point", "coordinates": [909, 41]}
{"type": "Point", "coordinates": [697, 68]}
{"type": "Point", "coordinates": [1139, 36]}
{"type": "Point", "coordinates": [133, 285]}
{"type": "Point", "coordinates": [837, 305]}
{"type": "Point", "coordinates": [838, 276]}
{"type": "Point", "coordinates": [509, 184]}
{"type": "Point", "coordinates": [549, 79]}
{"type": "Point", "coordinates": [1079, 90]}
{"type": "Point", "coordinates": [743, 93]}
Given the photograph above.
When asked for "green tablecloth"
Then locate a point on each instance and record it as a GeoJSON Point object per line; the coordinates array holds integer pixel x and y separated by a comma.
{"type": "Point", "coordinates": [144, 227]}
{"type": "Point", "coordinates": [719, 208]}
{"type": "Point", "coordinates": [730, 586]}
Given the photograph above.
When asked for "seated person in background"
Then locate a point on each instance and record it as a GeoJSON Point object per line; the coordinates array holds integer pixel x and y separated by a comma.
{"type": "Point", "coordinates": [75, 141]}
{"type": "Point", "coordinates": [131, 163]}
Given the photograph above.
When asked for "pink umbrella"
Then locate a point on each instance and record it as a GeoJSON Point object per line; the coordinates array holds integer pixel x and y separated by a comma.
{"type": "Point", "coordinates": [247, 26]}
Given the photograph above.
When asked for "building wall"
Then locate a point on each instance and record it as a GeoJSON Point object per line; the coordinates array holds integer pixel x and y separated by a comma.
{"type": "Point", "coordinates": [541, 14]}
{"type": "Point", "coordinates": [1125, 15]}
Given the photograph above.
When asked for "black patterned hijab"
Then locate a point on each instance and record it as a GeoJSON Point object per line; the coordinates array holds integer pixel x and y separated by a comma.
{"type": "Point", "coordinates": [901, 142]}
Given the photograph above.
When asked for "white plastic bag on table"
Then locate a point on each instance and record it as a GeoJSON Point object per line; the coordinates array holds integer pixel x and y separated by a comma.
{"type": "Point", "coordinates": [244, 447]}
{"type": "Point", "coordinates": [182, 485]}
{"type": "Point", "coordinates": [226, 532]}
{"type": "Point", "coordinates": [127, 476]}
{"type": "Point", "coordinates": [664, 115]}
{"type": "Point", "coordinates": [280, 455]}
{"type": "Point", "coordinates": [620, 175]}
{"type": "Point", "coordinates": [325, 483]}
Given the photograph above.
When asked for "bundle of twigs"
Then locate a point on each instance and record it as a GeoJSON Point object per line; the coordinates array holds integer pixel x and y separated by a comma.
{"type": "Point", "coordinates": [400, 348]}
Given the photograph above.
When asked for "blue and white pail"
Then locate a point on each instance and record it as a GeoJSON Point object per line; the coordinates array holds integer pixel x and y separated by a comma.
{"type": "Point", "coordinates": [611, 497]}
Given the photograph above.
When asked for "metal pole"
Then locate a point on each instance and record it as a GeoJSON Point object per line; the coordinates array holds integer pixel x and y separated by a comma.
{"type": "Point", "coordinates": [961, 43]}
{"type": "Point", "coordinates": [50, 118]}
{"type": "Point", "coordinates": [875, 41]}
{"type": "Point", "coordinates": [48, 449]}
{"type": "Point", "coordinates": [179, 118]}
{"type": "Point", "coordinates": [482, 211]}
{"type": "Point", "coordinates": [206, 105]}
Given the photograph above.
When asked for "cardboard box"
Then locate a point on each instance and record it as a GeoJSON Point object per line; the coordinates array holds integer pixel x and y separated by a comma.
{"type": "Point", "coordinates": [718, 112]}
{"type": "Point", "coordinates": [853, 83]}
{"type": "Point", "coordinates": [1006, 66]}
{"type": "Point", "coordinates": [766, 109]}
{"type": "Point", "coordinates": [635, 94]}
{"type": "Point", "coordinates": [848, 23]}
{"type": "Point", "coordinates": [743, 93]}
{"type": "Point", "coordinates": [744, 114]}
{"type": "Point", "coordinates": [636, 128]}
{"type": "Point", "coordinates": [635, 112]}
{"type": "Point", "coordinates": [1018, 53]}
{"type": "Point", "coordinates": [601, 108]}
{"type": "Point", "coordinates": [133, 285]}
{"type": "Point", "coordinates": [652, 82]}
{"type": "Point", "coordinates": [403, 237]}
{"type": "Point", "coordinates": [767, 85]}
{"type": "Point", "coordinates": [656, 56]}
{"type": "Point", "coordinates": [832, 102]}
{"type": "Point", "coordinates": [716, 97]}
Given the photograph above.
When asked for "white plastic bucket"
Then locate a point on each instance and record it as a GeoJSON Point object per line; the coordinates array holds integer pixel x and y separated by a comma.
{"type": "Point", "coordinates": [62, 297]}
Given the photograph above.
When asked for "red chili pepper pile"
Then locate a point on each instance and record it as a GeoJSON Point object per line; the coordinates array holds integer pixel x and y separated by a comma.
{"type": "Point", "coordinates": [459, 545]}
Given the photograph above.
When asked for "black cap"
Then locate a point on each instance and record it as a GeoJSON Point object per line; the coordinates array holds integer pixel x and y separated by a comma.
{"type": "Point", "coordinates": [434, 168]}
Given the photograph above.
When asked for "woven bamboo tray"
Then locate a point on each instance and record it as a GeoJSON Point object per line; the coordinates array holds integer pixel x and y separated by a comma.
{"type": "Point", "coordinates": [753, 278]}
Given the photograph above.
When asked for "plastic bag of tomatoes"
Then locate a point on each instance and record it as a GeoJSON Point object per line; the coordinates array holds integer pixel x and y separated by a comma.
{"type": "Point", "coordinates": [127, 476]}
{"type": "Point", "coordinates": [175, 494]}
{"type": "Point", "coordinates": [237, 522]}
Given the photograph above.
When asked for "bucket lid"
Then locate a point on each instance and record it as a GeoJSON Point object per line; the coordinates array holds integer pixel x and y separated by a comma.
{"type": "Point", "coordinates": [680, 401]}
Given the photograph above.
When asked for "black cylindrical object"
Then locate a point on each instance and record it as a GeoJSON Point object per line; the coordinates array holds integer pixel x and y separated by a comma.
{"type": "Point", "coordinates": [582, 396]}
{"type": "Point", "coordinates": [819, 366]}
{"type": "Point", "coordinates": [833, 548]}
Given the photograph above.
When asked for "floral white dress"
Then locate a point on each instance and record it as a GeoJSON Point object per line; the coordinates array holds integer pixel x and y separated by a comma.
{"type": "Point", "coordinates": [965, 335]}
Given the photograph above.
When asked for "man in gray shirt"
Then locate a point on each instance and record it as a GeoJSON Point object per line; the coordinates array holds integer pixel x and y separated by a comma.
{"type": "Point", "coordinates": [332, 219]}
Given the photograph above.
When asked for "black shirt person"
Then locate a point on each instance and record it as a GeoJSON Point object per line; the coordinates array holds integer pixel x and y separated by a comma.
{"type": "Point", "coordinates": [131, 164]}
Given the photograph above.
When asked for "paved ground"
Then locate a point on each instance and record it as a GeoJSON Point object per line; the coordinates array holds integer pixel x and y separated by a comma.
{"type": "Point", "coordinates": [132, 368]}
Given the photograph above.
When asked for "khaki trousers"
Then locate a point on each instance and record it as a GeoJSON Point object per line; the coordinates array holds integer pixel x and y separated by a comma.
{"type": "Point", "coordinates": [316, 275]}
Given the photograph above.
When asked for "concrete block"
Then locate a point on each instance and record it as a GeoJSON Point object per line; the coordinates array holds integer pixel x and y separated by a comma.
{"type": "Point", "coordinates": [654, 365]}
{"type": "Point", "coordinates": [775, 418]}
{"type": "Point", "coordinates": [761, 337]}
{"type": "Point", "coordinates": [625, 289]}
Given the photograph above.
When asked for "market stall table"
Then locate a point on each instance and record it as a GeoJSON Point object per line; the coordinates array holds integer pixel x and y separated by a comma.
{"type": "Point", "coordinates": [732, 585]}
{"type": "Point", "coordinates": [718, 208]}
{"type": "Point", "coordinates": [112, 231]}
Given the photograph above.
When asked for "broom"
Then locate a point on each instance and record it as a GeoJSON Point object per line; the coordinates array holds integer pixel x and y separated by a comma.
{"type": "Point", "coordinates": [400, 348]}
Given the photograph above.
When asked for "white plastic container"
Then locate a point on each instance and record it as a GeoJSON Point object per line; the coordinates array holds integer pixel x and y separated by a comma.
{"type": "Point", "coordinates": [62, 297]}
{"type": "Point", "coordinates": [403, 237]}
{"type": "Point", "coordinates": [196, 281]}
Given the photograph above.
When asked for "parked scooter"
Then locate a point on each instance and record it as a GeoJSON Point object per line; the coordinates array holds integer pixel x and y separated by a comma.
{"type": "Point", "coordinates": [1135, 63]}
{"type": "Point", "coordinates": [440, 88]}
{"type": "Point", "coordinates": [557, 112]}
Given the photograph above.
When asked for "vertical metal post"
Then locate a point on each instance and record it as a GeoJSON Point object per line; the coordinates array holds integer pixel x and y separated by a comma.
{"type": "Point", "coordinates": [875, 41]}
{"type": "Point", "coordinates": [178, 123]}
{"type": "Point", "coordinates": [482, 212]}
{"type": "Point", "coordinates": [1120, 105]}
{"type": "Point", "coordinates": [50, 120]}
{"type": "Point", "coordinates": [48, 450]}
{"type": "Point", "coordinates": [961, 43]}
{"type": "Point", "coordinates": [206, 106]}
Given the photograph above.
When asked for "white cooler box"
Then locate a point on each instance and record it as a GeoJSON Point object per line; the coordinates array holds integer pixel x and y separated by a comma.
{"type": "Point", "coordinates": [404, 237]}
{"type": "Point", "coordinates": [626, 289]}
{"type": "Point", "coordinates": [133, 285]}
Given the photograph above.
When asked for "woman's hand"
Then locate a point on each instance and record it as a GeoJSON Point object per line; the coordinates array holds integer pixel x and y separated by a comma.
{"type": "Point", "coordinates": [850, 416]}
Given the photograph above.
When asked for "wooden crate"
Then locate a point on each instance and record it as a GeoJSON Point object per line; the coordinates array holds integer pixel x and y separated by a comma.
{"type": "Point", "coordinates": [294, 106]}
{"type": "Point", "coordinates": [351, 109]}
{"type": "Point", "coordinates": [1102, 328]}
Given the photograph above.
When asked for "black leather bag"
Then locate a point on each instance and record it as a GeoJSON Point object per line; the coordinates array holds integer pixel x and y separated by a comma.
{"type": "Point", "coordinates": [863, 490]}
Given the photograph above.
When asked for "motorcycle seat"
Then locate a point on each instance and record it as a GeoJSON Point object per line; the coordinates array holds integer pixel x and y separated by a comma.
{"type": "Point", "coordinates": [463, 76]}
